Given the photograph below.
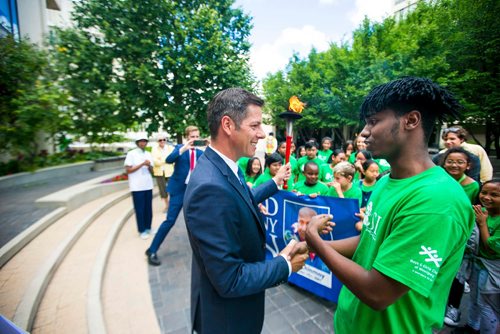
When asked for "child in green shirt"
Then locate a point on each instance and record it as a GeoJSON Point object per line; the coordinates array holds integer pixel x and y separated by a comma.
{"type": "Point", "coordinates": [485, 293]}
{"type": "Point", "coordinates": [252, 171]}
{"type": "Point", "coordinates": [342, 185]}
{"type": "Point", "coordinates": [293, 161]}
{"type": "Point", "coordinates": [325, 152]}
{"type": "Point", "coordinates": [311, 186]}
{"type": "Point", "coordinates": [311, 155]}
{"type": "Point", "coordinates": [274, 162]}
{"type": "Point", "coordinates": [367, 185]}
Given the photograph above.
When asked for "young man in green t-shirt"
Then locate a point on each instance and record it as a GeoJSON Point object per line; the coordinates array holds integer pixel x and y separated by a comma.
{"type": "Point", "coordinates": [398, 272]}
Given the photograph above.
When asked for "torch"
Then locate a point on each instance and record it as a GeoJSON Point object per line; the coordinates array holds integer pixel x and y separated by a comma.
{"type": "Point", "coordinates": [295, 107]}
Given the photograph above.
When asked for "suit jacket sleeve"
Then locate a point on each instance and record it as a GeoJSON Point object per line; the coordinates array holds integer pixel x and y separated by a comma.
{"type": "Point", "coordinates": [172, 157]}
{"type": "Point", "coordinates": [226, 240]}
{"type": "Point", "coordinates": [264, 190]}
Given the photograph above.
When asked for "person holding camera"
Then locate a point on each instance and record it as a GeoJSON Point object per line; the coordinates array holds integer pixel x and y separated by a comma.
{"type": "Point", "coordinates": [184, 156]}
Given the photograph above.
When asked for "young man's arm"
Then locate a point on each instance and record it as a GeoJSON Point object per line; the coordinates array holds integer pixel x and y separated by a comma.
{"type": "Point", "coordinates": [370, 286]}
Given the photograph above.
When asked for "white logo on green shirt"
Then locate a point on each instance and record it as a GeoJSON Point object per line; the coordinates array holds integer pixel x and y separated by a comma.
{"type": "Point", "coordinates": [371, 221]}
{"type": "Point", "coordinates": [433, 256]}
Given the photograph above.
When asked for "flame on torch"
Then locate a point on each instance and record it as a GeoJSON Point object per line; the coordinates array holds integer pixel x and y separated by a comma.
{"type": "Point", "coordinates": [295, 104]}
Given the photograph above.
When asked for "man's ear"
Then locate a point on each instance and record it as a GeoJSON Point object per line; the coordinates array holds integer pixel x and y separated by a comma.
{"type": "Point", "coordinates": [412, 120]}
{"type": "Point", "coordinates": [227, 125]}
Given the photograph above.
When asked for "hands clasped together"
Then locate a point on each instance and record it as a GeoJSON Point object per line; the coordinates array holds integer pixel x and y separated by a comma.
{"type": "Point", "coordinates": [298, 252]}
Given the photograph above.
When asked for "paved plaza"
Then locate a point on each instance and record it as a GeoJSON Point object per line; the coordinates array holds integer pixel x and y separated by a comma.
{"type": "Point", "coordinates": [289, 309]}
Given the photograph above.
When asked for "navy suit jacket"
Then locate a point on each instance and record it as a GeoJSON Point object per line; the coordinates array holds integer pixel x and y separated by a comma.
{"type": "Point", "coordinates": [227, 236]}
{"type": "Point", "coordinates": [177, 182]}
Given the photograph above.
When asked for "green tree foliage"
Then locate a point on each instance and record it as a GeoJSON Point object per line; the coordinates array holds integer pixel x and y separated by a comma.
{"type": "Point", "coordinates": [153, 62]}
{"type": "Point", "coordinates": [30, 99]}
{"type": "Point", "coordinates": [454, 42]}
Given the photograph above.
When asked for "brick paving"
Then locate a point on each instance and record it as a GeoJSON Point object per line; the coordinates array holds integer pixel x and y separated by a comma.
{"type": "Point", "coordinates": [289, 309]}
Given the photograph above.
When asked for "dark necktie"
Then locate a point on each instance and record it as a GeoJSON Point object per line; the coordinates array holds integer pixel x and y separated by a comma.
{"type": "Point", "coordinates": [244, 184]}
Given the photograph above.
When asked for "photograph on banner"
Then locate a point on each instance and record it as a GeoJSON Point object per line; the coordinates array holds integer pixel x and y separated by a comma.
{"type": "Point", "coordinates": [287, 217]}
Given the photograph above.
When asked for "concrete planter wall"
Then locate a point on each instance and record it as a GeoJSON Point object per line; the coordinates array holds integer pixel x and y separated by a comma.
{"type": "Point", "coordinates": [44, 174]}
{"type": "Point", "coordinates": [108, 163]}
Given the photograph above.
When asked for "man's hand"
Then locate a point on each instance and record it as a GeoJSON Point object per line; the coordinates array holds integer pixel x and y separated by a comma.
{"type": "Point", "coordinates": [288, 249]}
{"type": "Point", "coordinates": [188, 145]}
{"type": "Point", "coordinates": [296, 253]}
{"type": "Point", "coordinates": [298, 261]}
{"type": "Point", "coordinates": [299, 248]}
{"type": "Point", "coordinates": [283, 174]}
{"type": "Point", "coordinates": [146, 163]}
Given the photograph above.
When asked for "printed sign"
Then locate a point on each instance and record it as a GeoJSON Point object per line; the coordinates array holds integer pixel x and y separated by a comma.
{"type": "Point", "coordinates": [287, 218]}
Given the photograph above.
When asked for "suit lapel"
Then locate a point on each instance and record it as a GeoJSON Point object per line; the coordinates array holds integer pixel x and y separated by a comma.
{"type": "Point", "coordinates": [235, 183]}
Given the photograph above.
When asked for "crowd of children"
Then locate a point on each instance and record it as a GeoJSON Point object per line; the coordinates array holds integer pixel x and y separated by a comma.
{"type": "Point", "coordinates": [352, 172]}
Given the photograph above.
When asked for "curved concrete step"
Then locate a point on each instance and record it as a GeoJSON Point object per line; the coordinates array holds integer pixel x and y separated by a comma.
{"type": "Point", "coordinates": [23, 279]}
{"type": "Point", "coordinates": [63, 308]}
{"type": "Point", "coordinates": [125, 293]}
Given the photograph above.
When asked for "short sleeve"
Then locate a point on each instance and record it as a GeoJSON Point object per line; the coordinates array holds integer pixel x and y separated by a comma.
{"type": "Point", "coordinates": [417, 248]}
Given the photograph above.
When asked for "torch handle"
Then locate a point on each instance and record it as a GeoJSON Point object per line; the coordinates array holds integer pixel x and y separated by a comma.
{"type": "Point", "coordinates": [287, 156]}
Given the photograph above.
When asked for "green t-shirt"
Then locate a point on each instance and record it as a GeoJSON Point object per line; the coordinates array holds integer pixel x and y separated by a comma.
{"type": "Point", "coordinates": [352, 157]}
{"type": "Point", "coordinates": [366, 188]}
{"type": "Point", "coordinates": [383, 165]}
{"type": "Point", "coordinates": [251, 179]}
{"type": "Point", "coordinates": [326, 174]}
{"type": "Point", "coordinates": [414, 232]}
{"type": "Point", "coordinates": [324, 155]}
{"type": "Point", "coordinates": [294, 165]}
{"type": "Point", "coordinates": [493, 241]}
{"type": "Point", "coordinates": [305, 159]}
{"type": "Point", "coordinates": [471, 190]}
{"type": "Point", "coordinates": [264, 177]}
{"type": "Point", "coordinates": [319, 188]}
{"type": "Point", "coordinates": [353, 192]}
{"type": "Point", "coordinates": [242, 163]}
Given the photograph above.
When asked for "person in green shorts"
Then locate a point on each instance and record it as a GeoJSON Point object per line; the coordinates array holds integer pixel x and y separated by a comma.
{"type": "Point", "coordinates": [311, 186]}
{"type": "Point", "coordinates": [342, 185]}
{"type": "Point", "coordinates": [397, 273]}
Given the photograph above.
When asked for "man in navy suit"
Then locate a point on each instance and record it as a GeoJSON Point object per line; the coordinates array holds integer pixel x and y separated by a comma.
{"type": "Point", "coordinates": [225, 227]}
{"type": "Point", "coordinates": [184, 156]}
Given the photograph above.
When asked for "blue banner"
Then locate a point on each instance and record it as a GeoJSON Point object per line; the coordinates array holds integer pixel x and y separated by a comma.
{"type": "Point", "coordinates": [286, 219]}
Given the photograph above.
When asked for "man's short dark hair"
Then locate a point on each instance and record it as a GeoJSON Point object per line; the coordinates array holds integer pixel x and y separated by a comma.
{"type": "Point", "coordinates": [412, 93]}
{"type": "Point", "coordinates": [232, 102]}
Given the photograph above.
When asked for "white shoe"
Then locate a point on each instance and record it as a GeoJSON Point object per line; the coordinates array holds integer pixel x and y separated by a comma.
{"type": "Point", "coordinates": [144, 235]}
{"type": "Point", "coordinates": [452, 317]}
{"type": "Point", "coordinates": [466, 287]}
